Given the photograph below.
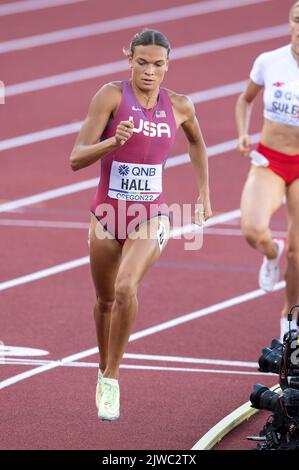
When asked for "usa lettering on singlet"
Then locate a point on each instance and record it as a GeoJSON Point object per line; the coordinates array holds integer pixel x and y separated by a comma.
{"type": "Point", "coordinates": [135, 182]}
{"type": "Point", "coordinates": [152, 129]}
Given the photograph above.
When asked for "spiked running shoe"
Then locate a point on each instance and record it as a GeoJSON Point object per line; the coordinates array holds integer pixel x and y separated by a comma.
{"type": "Point", "coordinates": [269, 272]}
{"type": "Point", "coordinates": [109, 401]}
{"type": "Point", "coordinates": [99, 388]}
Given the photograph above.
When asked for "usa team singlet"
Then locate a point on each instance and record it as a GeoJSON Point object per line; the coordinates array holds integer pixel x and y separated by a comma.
{"type": "Point", "coordinates": [131, 175]}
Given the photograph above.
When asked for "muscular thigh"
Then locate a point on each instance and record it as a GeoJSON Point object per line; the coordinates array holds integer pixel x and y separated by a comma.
{"type": "Point", "coordinates": [262, 196]}
{"type": "Point", "coordinates": [105, 257]}
{"type": "Point", "coordinates": [293, 214]}
{"type": "Point", "coordinates": [143, 248]}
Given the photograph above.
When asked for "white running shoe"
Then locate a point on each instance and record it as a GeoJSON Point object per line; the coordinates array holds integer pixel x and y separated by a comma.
{"type": "Point", "coordinates": [269, 272]}
{"type": "Point", "coordinates": [99, 388]}
{"type": "Point", "coordinates": [109, 401]}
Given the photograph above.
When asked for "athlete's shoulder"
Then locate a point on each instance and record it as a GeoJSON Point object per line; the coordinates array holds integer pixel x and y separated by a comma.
{"type": "Point", "coordinates": [110, 89]}
{"type": "Point", "coordinates": [181, 103]}
{"type": "Point", "coordinates": [108, 96]}
{"type": "Point", "coordinates": [274, 55]}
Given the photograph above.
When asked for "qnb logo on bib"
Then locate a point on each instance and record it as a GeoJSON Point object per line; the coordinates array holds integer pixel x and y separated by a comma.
{"type": "Point", "coordinates": [152, 129]}
{"type": "Point", "coordinates": [123, 170]}
{"type": "Point", "coordinates": [134, 182]}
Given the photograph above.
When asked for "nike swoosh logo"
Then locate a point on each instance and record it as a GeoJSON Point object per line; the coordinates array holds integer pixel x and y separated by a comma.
{"type": "Point", "coordinates": [135, 109]}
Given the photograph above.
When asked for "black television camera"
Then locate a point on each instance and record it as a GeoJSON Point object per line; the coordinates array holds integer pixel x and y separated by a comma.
{"type": "Point", "coordinates": [281, 432]}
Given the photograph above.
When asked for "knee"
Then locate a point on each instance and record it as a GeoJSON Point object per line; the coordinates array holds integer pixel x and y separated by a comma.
{"type": "Point", "coordinates": [292, 255]}
{"type": "Point", "coordinates": [254, 235]}
{"type": "Point", "coordinates": [125, 291]}
{"type": "Point", "coordinates": [104, 306]}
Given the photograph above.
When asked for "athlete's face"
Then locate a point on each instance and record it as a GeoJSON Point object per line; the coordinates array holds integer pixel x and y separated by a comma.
{"type": "Point", "coordinates": [294, 26]}
{"type": "Point", "coordinates": [148, 64]}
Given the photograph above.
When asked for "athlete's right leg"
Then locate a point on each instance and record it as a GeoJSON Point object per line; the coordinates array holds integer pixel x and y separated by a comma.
{"type": "Point", "coordinates": [139, 252]}
{"type": "Point", "coordinates": [262, 196]}
{"type": "Point", "coordinates": [105, 256]}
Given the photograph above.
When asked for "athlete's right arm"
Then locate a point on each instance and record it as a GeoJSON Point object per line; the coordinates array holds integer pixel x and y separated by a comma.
{"type": "Point", "coordinates": [87, 148]}
{"type": "Point", "coordinates": [242, 114]}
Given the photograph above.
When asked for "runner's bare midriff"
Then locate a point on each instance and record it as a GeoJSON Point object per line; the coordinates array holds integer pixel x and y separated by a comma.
{"type": "Point", "coordinates": [282, 138]}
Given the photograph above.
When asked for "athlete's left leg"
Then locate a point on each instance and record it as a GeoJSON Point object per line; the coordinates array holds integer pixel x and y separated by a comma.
{"type": "Point", "coordinates": [139, 253]}
{"type": "Point", "coordinates": [292, 272]}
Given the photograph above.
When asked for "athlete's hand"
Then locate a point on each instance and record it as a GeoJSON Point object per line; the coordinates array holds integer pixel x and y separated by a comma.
{"type": "Point", "coordinates": [203, 209]}
{"type": "Point", "coordinates": [124, 131]}
{"type": "Point", "coordinates": [244, 145]}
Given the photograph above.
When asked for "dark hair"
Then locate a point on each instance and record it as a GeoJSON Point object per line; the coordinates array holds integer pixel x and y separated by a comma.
{"type": "Point", "coordinates": [148, 37]}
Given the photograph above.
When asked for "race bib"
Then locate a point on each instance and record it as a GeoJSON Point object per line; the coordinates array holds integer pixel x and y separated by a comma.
{"type": "Point", "coordinates": [282, 103]}
{"type": "Point", "coordinates": [135, 182]}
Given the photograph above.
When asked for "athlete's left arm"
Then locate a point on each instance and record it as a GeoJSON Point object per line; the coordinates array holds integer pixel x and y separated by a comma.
{"type": "Point", "coordinates": [199, 159]}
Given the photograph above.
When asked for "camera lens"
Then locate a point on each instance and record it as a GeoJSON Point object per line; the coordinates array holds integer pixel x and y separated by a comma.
{"type": "Point", "coordinates": [263, 399]}
{"type": "Point", "coordinates": [275, 343]}
{"type": "Point", "coordinates": [270, 360]}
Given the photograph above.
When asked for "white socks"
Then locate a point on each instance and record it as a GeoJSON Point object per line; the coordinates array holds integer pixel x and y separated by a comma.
{"type": "Point", "coordinates": [284, 326]}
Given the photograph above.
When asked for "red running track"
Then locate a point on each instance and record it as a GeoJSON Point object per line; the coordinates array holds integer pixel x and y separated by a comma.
{"type": "Point", "coordinates": [166, 381]}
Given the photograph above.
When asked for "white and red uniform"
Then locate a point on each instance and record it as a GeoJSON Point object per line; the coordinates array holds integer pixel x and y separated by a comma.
{"type": "Point", "coordinates": [278, 72]}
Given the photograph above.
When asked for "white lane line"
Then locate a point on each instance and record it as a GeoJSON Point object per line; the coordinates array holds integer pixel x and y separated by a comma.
{"type": "Point", "coordinates": [44, 224]}
{"type": "Point", "coordinates": [40, 136]}
{"type": "Point", "coordinates": [59, 268]}
{"type": "Point", "coordinates": [190, 360]}
{"type": "Point", "coordinates": [13, 8]}
{"type": "Point", "coordinates": [84, 226]}
{"type": "Point", "coordinates": [141, 357]}
{"type": "Point", "coordinates": [189, 369]}
{"type": "Point", "coordinates": [213, 151]}
{"type": "Point", "coordinates": [48, 195]}
{"type": "Point", "coordinates": [215, 220]}
{"type": "Point", "coordinates": [68, 129]}
{"type": "Point", "coordinates": [227, 424]}
{"type": "Point", "coordinates": [203, 312]}
{"type": "Point", "coordinates": [26, 375]}
{"type": "Point", "coordinates": [24, 362]}
{"type": "Point", "coordinates": [146, 332]}
{"type": "Point", "coordinates": [119, 24]}
{"type": "Point", "coordinates": [20, 351]}
{"type": "Point", "coordinates": [183, 52]}
{"type": "Point", "coordinates": [237, 233]}
{"type": "Point", "coordinates": [221, 91]}
{"type": "Point", "coordinates": [144, 367]}
{"type": "Point", "coordinates": [228, 42]}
